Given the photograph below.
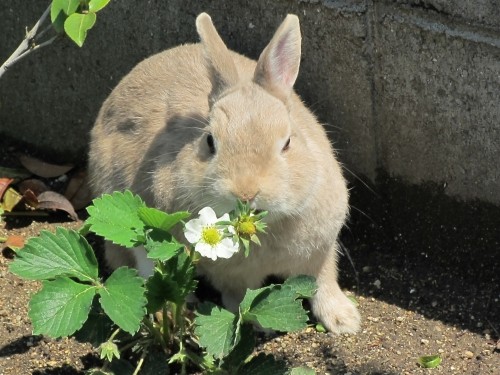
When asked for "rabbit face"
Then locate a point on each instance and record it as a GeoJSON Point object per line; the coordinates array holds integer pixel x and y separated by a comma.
{"type": "Point", "coordinates": [256, 154]}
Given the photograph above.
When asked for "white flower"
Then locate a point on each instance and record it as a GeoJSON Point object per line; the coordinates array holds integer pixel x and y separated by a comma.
{"type": "Point", "coordinates": [209, 238]}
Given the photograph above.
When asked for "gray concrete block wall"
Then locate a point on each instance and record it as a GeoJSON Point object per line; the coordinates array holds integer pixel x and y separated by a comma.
{"type": "Point", "coordinates": [438, 102]}
{"type": "Point", "coordinates": [408, 86]}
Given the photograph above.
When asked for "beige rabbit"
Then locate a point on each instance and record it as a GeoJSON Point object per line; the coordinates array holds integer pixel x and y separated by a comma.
{"type": "Point", "coordinates": [199, 125]}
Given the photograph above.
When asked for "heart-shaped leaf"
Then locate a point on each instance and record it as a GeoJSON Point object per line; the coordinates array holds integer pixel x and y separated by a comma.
{"type": "Point", "coordinates": [77, 25]}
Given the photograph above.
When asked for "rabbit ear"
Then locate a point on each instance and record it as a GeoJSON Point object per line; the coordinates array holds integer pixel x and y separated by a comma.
{"type": "Point", "coordinates": [278, 64]}
{"type": "Point", "coordinates": [223, 73]}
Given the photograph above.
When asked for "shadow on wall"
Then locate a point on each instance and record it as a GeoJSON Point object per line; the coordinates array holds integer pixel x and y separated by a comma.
{"type": "Point", "coordinates": [430, 253]}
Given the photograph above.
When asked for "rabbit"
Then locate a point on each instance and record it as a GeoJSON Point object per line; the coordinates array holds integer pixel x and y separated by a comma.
{"type": "Point", "coordinates": [199, 125]}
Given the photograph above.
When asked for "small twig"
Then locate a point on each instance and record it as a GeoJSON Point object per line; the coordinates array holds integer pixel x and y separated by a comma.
{"type": "Point", "coordinates": [28, 44]}
{"type": "Point", "coordinates": [141, 361]}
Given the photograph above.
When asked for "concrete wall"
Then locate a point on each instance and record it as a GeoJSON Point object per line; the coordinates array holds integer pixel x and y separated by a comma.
{"type": "Point", "coordinates": [408, 86]}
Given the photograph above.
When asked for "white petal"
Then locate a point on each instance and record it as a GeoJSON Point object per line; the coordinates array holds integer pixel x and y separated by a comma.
{"type": "Point", "coordinates": [224, 217]}
{"type": "Point", "coordinates": [208, 216]}
{"type": "Point", "coordinates": [192, 230]}
{"type": "Point", "coordinates": [206, 250]}
{"type": "Point", "coordinates": [227, 248]}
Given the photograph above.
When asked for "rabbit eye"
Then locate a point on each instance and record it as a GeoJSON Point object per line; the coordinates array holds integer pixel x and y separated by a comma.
{"type": "Point", "coordinates": [211, 143]}
{"type": "Point", "coordinates": [287, 145]}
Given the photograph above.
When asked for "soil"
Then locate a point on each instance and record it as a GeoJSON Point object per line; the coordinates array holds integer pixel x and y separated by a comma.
{"type": "Point", "coordinates": [424, 268]}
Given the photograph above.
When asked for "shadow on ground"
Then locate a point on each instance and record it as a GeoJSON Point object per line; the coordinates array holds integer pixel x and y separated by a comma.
{"type": "Point", "coordinates": [431, 253]}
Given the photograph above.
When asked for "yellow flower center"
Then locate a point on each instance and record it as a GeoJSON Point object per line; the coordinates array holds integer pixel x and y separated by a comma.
{"type": "Point", "coordinates": [210, 235]}
{"type": "Point", "coordinates": [247, 227]}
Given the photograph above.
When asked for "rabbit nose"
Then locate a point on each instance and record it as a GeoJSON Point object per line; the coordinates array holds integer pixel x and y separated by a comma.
{"type": "Point", "coordinates": [246, 196]}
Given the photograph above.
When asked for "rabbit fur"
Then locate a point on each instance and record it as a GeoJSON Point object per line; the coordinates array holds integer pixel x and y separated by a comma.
{"type": "Point", "coordinates": [199, 125]}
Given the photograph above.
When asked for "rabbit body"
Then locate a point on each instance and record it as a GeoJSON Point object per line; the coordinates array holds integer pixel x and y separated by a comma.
{"type": "Point", "coordinates": [199, 125]}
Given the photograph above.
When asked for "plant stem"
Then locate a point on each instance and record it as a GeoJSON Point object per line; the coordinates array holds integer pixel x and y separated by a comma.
{"type": "Point", "coordinates": [141, 361]}
{"type": "Point", "coordinates": [155, 332]}
{"type": "Point", "coordinates": [165, 322]}
{"type": "Point", "coordinates": [113, 335]}
{"type": "Point", "coordinates": [28, 44]}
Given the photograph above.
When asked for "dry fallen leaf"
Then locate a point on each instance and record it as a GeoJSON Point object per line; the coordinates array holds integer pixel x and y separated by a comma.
{"type": "Point", "coordinates": [43, 169]}
{"type": "Point", "coordinates": [13, 242]}
{"type": "Point", "coordinates": [55, 201]}
{"type": "Point", "coordinates": [4, 184]}
{"type": "Point", "coordinates": [10, 199]}
{"type": "Point", "coordinates": [34, 185]}
{"type": "Point", "coordinates": [78, 190]}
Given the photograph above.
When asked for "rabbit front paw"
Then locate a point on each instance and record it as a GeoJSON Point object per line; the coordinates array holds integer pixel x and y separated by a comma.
{"type": "Point", "coordinates": [337, 312]}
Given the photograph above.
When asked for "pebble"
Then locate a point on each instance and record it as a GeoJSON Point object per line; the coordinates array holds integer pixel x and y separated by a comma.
{"type": "Point", "coordinates": [469, 354]}
{"type": "Point", "coordinates": [424, 342]}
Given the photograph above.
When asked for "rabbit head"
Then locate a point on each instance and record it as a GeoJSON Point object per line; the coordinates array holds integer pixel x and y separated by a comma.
{"type": "Point", "coordinates": [254, 148]}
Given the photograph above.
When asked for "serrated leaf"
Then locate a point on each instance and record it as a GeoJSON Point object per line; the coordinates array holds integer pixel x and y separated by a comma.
{"type": "Point", "coordinates": [122, 298]}
{"type": "Point", "coordinates": [60, 10]}
{"type": "Point", "coordinates": [64, 253]}
{"type": "Point", "coordinates": [274, 307]}
{"type": "Point", "coordinates": [115, 217]}
{"type": "Point", "coordinates": [305, 286]}
{"type": "Point", "coordinates": [160, 289]}
{"type": "Point", "coordinates": [217, 329]}
{"type": "Point", "coordinates": [182, 272]}
{"type": "Point", "coordinates": [263, 364]}
{"type": "Point", "coordinates": [163, 251]}
{"type": "Point", "coordinates": [430, 361]}
{"type": "Point", "coordinates": [155, 218]}
{"type": "Point", "coordinates": [242, 350]}
{"type": "Point", "coordinates": [302, 371]}
{"type": "Point", "coordinates": [77, 25]}
{"type": "Point", "coordinates": [61, 307]}
{"type": "Point", "coordinates": [96, 329]}
{"type": "Point", "coordinates": [97, 5]}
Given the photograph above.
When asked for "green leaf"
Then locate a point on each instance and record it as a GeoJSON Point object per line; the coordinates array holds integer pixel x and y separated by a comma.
{"type": "Point", "coordinates": [64, 253]}
{"type": "Point", "coordinates": [160, 289]}
{"type": "Point", "coordinates": [217, 329]}
{"type": "Point", "coordinates": [263, 364]}
{"type": "Point", "coordinates": [96, 5]}
{"type": "Point", "coordinates": [96, 329]}
{"type": "Point", "coordinates": [60, 10]}
{"type": "Point", "coordinates": [77, 25]}
{"type": "Point", "coordinates": [320, 328]}
{"type": "Point", "coordinates": [302, 371]}
{"type": "Point", "coordinates": [122, 298]}
{"type": "Point", "coordinates": [155, 218]}
{"type": "Point", "coordinates": [305, 286]}
{"type": "Point", "coordinates": [430, 361]}
{"type": "Point", "coordinates": [115, 217]}
{"type": "Point", "coordinates": [61, 307]}
{"type": "Point", "coordinates": [242, 350]}
{"type": "Point", "coordinates": [163, 250]}
{"type": "Point", "coordinates": [182, 272]}
{"type": "Point", "coordinates": [274, 307]}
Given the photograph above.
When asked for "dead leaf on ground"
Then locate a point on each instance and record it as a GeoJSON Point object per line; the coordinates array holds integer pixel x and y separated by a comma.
{"type": "Point", "coordinates": [10, 199]}
{"type": "Point", "coordinates": [43, 169]}
{"type": "Point", "coordinates": [4, 184]}
{"type": "Point", "coordinates": [55, 201]}
{"type": "Point", "coordinates": [13, 242]}
{"type": "Point", "coordinates": [30, 198]}
{"type": "Point", "coordinates": [78, 190]}
{"type": "Point", "coordinates": [34, 185]}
